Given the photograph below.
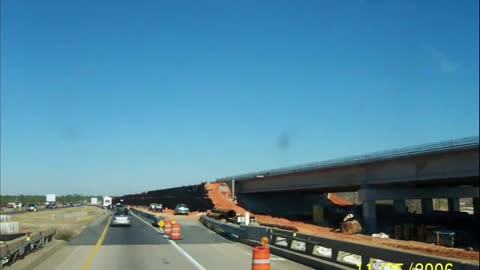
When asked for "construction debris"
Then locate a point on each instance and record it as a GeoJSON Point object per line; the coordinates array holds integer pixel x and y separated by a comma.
{"type": "Point", "coordinates": [380, 235]}
{"type": "Point", "coordinates": [219, 200]}
{"type": "Point", "coordinates": [216, 216]}
{"type": "Point", "coordinates": [227, 213]}
{"type": "Point", "coordinates": [350, 225]}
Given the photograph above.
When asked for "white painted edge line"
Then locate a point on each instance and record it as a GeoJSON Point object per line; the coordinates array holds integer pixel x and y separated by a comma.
{"type": "Point", "coordinates": [160, 230]}
{"type": "Point", "coordinates": [186, 255]}
{"type": "Point", "coordinates": [179, 249]}
{"type": "Point", "coordinates": [272, 256]}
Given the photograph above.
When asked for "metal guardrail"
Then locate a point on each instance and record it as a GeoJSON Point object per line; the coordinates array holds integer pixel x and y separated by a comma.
{"type": "Point", "coordinates": [440, 147]}
{"type": "Point", "coordinates": [327, 253]}
{"type": "Point", "coordinates": [152, 218]}
{"type": "Point", "coordinates": [13, 247]}
{"type": "Point", "coordinates": [229, 230]}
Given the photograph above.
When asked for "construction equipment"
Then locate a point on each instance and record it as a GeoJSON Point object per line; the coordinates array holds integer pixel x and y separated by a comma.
{"type": "Point", "coordinates": [215, 215]}
{"type": "Point", "coordinates": [228, 213]}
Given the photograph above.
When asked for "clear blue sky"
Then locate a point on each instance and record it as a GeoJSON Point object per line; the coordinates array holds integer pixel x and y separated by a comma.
{"type": "Point", "coordinates": [115, 97]}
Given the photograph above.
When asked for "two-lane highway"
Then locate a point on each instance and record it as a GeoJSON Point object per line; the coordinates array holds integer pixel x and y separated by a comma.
{"type": "Point", "coordinates": [141, 247]}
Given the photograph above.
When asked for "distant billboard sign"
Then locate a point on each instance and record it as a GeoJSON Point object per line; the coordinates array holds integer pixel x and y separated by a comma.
{"type": "Point", "coordinates": [51, 198]}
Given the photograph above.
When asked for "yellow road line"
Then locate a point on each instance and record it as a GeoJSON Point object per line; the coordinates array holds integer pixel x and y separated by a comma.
{"type": "Point", "coordinates": [97, 247]}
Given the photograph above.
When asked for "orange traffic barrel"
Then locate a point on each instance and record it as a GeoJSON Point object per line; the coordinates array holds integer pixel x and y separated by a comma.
{"type": "Point", "coordinates": [176, 231]}
{"type": "Point", "coordinates": [168, 228]}
{"type": "Point", "coordinates": [261, 258]}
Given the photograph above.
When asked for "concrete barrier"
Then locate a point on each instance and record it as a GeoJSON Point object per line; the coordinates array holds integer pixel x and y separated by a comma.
{"type": "Point", "coordinates": [5, 218]}
{"type": "Point", "coordinates": [324, 253]}
{"type": "Point", "coordinates": [152, 218]}
{"type": "Point", "coordinates": [9, 227]}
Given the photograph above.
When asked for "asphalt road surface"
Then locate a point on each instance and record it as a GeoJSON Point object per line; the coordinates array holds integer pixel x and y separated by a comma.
{"type": "Point", "coordinates": [142, 247]}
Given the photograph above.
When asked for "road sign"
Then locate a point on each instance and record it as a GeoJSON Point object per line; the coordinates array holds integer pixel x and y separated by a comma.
{"type": "Point", "coordinates": [161, 223]}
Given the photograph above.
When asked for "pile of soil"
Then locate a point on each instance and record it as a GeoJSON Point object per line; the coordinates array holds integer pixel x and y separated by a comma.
{"type": "Point", "coordinates": [351, 227]}
{"type": "Point", "coordinates": [338, 200]}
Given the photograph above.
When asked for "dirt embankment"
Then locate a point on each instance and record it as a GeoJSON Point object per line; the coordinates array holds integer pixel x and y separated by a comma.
{"type": "Point", "coordinates": [222, 198]}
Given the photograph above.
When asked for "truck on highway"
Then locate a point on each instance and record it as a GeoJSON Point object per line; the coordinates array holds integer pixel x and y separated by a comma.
{"type": "Point", "coordinates": [14, 205]}
{"type": "Point", "coordinates": [107, 202]}
{"type": "Point", "coordinates": [156, 207]}
{"type": "Point", "coordinates": [51, 198]}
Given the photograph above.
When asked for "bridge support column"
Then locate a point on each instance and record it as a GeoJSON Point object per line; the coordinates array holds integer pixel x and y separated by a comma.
{"type": "Point", "coordinates": [427, 205]}
{"type": "Point", "coordinates": [453, 205]}
{"type": "Point", "coordinates": [370, 216]}
{"type": "Point", "coordinates": [476, 203]}
{"type": "Point", "coordinates": [400, 206]}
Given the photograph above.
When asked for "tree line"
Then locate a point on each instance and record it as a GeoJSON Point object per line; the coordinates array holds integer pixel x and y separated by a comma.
{"type": "Point", "coordinates": [38, 199]}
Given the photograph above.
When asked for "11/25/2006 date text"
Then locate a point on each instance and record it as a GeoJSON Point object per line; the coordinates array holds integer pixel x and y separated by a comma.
{"type": "Point", "coordinates": [401, 266]}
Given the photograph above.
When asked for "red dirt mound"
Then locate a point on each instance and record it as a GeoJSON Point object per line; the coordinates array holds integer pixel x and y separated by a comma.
{"type": "Point", "coordinates": [338, 201]}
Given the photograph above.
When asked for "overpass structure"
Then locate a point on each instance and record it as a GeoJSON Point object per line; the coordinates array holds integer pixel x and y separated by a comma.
{"type": "Point", "coordinates": [448, 169]}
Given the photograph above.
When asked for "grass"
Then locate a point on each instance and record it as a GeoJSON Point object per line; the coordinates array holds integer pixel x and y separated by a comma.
{"type": "Point", "coordinates": [65, 234]}
{"type": "Point", "coordinates": [66, 228]}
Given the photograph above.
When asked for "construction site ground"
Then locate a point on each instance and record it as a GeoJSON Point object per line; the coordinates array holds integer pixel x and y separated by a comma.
{"type": "Point", "coordinates": [222, 199]}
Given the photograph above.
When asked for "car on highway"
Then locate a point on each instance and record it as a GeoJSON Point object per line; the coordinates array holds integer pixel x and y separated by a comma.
{"type": "Point", "coordinates": [51, 206]}
{"type": "Point", "coordinates": [121, 218]}
{"type": "Point", "coordinates": [120, 207]}
{"type": "Point", "coordinates": [156, 207]}
{"type": "Point", "coordinates": [181, 209]}
{"type": "Point", "coordinates": [32, 207]}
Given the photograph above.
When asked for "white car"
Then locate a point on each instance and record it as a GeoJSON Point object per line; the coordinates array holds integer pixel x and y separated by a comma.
{"type": "Point", "coordinates": [181, 209]}
{"type": "Point", "coordinates": [121, 218]}
{"type": "Point", "coordinates": [32, 207]}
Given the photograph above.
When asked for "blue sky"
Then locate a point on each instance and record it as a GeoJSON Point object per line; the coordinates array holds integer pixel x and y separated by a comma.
{"type": "Point", "coordinates": [115, 97]}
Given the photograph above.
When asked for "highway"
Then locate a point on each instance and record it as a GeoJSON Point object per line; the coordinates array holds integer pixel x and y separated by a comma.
{"type": "Point", "coordinates": [142, 247]}
{"type": "Point", "coordinates": [11, 213]}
